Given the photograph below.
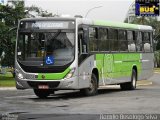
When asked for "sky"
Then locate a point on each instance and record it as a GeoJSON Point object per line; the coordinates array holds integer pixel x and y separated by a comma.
{"type": "Point", "coordinates": [112, 10]}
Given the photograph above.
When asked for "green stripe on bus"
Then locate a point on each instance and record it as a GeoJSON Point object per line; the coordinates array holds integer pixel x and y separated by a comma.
{"type": "Point", "coordinates": [115, 24]}
{"type": "Point", "coordinates": [53, 76]}
{"type": "Point", "coordinates": [117, 65]}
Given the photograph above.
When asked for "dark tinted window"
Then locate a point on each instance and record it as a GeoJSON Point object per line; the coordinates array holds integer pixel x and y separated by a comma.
{"type": "Point", "coordinates": [113, 38]}
{"type": "Point", "coordinates": [122, 35]}
{"type": "Point", "coordinates": [146, 36]}
{"type": "Point", "coordinates": [113, 34]}
{"type": "Point", "coordinates": [151, 41]}
{"type": "Point", "coordinates": [123, 44]}
{"type": "Point", "coordinates": [103, 44]}
{"type": "Point", "coordinates": [93, 41]}
{"type": "Point", "coordinates": [139, 41]}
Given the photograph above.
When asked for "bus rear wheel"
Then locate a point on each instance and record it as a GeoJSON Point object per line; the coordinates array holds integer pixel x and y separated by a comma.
{"type": "Point", "coordinates": [41, 93]}
{"type": "Point", "coordinates": [130, 85]}
{"type": "Point", "coordinates": [93, 88]}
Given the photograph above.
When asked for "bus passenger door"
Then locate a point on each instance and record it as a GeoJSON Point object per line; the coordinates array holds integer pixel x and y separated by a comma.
{"type": "Point", "coordinates": [108, 68]}
{"type": "Point", "coordinates": [84, 59]}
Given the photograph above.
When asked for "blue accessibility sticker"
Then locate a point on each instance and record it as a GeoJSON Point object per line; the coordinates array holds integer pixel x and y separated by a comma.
{"type": "Point", "coordinates": [49, 60]}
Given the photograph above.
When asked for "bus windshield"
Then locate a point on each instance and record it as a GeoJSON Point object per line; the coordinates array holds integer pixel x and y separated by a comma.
{"type": "Point", "coordinates": [45, 47]}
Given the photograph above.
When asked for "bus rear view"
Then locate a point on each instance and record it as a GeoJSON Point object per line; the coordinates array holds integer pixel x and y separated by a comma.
{"type": "Point", "coordinates": [45, 54]}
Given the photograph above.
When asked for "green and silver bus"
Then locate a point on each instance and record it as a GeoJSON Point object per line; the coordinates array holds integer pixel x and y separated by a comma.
{"type": "Point", "coordinates": [81, 54]}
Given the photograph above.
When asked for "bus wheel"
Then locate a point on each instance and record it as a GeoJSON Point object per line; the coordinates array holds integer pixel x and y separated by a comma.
{"type": "Point", "coordinates": [41, 93]}
{"type": "Point", "coordinates": [130, 85]}
{"type": "Point", "coordinates": [92, 90]}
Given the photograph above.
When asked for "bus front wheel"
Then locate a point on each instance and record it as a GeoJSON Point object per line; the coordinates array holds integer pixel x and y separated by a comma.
{"type": "Point", "coordinates": [41, 93]}
{"type": "Point", "coordinates": [93, 88]}
{"type": "Point", "coordinates": [130, 85]}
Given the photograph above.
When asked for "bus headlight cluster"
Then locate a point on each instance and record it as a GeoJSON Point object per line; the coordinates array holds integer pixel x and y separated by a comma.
{"type": "Point", "coordinates": [20, 76]}
{"type": "Point", "coordinates": [70, 74]}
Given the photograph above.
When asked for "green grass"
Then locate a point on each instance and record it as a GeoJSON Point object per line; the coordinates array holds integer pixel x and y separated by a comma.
{"type": "Point", "coordinates": [7, 80]}
{"type": "Point", "coordinates": [157, 70]}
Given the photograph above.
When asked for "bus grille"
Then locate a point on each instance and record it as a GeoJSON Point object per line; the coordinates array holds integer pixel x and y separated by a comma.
{"type": "Point", "coordinates": [30, 76]}
{"type": "Point", "coordinates": [51, 85]}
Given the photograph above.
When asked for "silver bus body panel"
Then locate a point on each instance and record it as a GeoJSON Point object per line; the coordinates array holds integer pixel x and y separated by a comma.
{"type": "Point", "coordinates": [85, 71]}
{"type": "Point", "coordinates": [147, 61]}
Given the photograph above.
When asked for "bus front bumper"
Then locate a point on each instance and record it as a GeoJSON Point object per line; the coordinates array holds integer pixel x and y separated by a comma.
{"type": "Point", "coordinates": [71, 83]}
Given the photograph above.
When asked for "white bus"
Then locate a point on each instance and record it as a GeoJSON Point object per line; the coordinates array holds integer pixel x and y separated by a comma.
{"type": "Point", "coordinates": [81, 54]}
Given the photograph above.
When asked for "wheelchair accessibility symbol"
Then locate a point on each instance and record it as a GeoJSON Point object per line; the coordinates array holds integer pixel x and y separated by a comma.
{"type": "Point", "coordinates": [49, 60]}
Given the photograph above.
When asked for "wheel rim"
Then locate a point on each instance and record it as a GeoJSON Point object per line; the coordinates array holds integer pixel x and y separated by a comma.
{"type": "Point", "coordinates": [134, 81]}
{"type": "Point", "coordinates": [92, 85]}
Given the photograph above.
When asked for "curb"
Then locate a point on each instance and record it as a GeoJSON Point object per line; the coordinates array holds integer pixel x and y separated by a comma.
{"type": "Point", "coordinates": [150, 83]}
{"type": "Point", "coordinates": [7, 88]}
{"type": "Point", "coordinates": [157, 72]}
{"type": "Point", "coordinates": [144, 83]}
{"type": "Point", "coordinates": [139, 83]}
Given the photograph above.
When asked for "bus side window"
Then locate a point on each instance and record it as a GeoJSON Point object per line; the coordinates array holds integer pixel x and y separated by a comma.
{"type": "Point", "coordinates": [82, 40]}
{"type": "Point", "coordinates": [122, 40]}
{"type": "Point", "coordinates": [113, 38]}
{"type": "Point", "coordinates": [151, 41]}
{"type": "Point", "coordinates": [103, 42]}
{"type": "Point", "coordinates": [85, 40]}
{"type": "Point", "coordinates": [146, 42]}
{"type": "Point", "coordinates": [131, 41]}
{"type": "Point", "coordinates": [139, 42]}
{"type": "Point", "coordinates": [93, 41]}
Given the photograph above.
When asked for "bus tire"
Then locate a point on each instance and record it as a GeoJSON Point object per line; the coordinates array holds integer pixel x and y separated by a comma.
{"type": "Point", "coordinates": [41, 93]}
{"type": "Point", "coordinates": [92, 90]}
{"type": "Point", "coordinates": [130, 85]}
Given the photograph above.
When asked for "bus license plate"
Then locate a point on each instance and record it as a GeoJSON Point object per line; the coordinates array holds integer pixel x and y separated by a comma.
{"type": "Point", "coordinates": [43, 87]}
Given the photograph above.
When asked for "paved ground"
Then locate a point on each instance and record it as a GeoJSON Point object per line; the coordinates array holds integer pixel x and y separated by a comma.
{"type": "Point", "coordinates": [109, 100]}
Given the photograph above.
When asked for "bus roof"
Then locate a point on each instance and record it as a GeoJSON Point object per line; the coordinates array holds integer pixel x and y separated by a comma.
{"type": "Point", "coordinates": [47, 18]}
{"type": "Point", "coordinates": [121, 25]}
{"type": "Point", "coordinates": [96, 22]}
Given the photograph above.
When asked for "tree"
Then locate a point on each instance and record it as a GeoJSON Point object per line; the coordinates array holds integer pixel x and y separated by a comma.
{"type": "Point", "coordinates": [39, 11]}
{"type": "Point", "coordinates": [9, 19]}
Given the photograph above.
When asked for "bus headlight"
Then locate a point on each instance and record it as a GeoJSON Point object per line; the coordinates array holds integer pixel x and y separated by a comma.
{"type": "Point", "coordinates": [19, 75]}
{"type": "Point", "coordinates": [70, 74]}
